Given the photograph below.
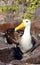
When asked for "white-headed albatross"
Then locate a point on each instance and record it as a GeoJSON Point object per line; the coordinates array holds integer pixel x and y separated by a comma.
{"type": "Point", "coordinates": [25, 42]}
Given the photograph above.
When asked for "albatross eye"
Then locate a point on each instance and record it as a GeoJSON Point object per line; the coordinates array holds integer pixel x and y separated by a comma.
{"type": "Point", "coordinates": [26, 21]}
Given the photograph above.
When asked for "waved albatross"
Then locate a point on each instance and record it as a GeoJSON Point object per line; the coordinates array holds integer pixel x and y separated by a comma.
{"type": "Point", "coordinates": [25, 42]}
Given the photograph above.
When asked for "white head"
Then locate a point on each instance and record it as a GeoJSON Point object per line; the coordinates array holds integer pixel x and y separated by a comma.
{"type": "Point", "coordinates": [27, 22]}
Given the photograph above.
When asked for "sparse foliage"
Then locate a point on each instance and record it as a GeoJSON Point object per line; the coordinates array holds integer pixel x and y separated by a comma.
{"type": "Point", "coordinates": [28, 7]}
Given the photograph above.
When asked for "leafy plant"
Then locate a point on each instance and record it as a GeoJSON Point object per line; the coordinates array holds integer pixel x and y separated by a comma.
{"type": "Point", "coordinates": [30, 9]}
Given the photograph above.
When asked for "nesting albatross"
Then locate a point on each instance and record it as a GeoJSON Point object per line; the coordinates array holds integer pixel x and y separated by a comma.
{"type": "Point", "coordinates": [25, 42]}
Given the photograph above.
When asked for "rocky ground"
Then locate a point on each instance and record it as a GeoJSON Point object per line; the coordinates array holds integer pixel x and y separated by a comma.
{"type": "Point", "coordinates": [9, 55]}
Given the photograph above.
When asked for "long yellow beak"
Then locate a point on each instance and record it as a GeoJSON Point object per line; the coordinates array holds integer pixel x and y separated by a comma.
{"type": "Point", "coordinates": [20, 26]}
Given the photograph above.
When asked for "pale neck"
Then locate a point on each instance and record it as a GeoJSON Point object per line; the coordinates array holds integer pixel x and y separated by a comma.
{"type": "Point", "coordinates": [27, 30]}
